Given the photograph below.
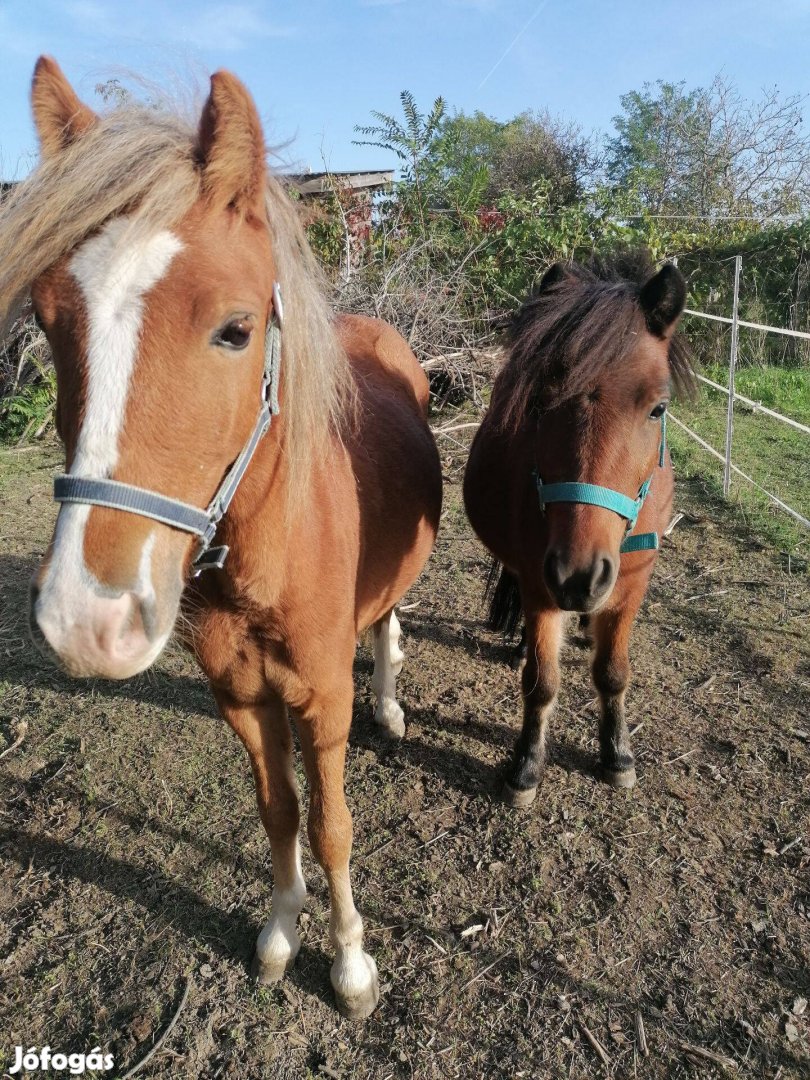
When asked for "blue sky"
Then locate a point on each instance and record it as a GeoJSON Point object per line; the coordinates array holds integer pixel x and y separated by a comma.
{"type": "Point", "coordinates": [316, 68]}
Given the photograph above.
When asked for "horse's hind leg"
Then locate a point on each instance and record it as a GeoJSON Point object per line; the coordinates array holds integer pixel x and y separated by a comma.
{"type": "Point", "coordinates": [387, 665]}
{"type": "Point", "coordinates": [324, 731]}
{"type": "Point", "coordinates": [611, 674]}
{"type": "Point", "coordinates": [540, 681]}
{"type": "Point", "coordinates": [265, 731]}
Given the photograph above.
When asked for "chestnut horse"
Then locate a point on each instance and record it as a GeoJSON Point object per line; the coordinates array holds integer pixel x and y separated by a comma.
{"type": "Point", "coordinates": [569, 485]}
{"type": "Point", "coordinates": [157, 254]}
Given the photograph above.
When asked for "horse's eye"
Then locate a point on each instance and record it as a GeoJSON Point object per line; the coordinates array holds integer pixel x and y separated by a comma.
{"type": "Point", "coordinates": [234, 335]}
{"type": "Point", "coordinates": [658, 411]}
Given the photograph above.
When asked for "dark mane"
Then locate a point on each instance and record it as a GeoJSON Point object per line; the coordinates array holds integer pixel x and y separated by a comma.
{"type": "Point", "coordinates": [570, 330]}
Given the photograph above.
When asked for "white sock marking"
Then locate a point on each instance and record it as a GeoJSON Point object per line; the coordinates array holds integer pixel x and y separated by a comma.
{"type": "Point", "coordinates": [388, 659]}
{"type": "Point", "coordinates": [278, 942]}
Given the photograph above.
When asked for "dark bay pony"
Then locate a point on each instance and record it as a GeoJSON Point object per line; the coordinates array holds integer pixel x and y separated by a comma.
{"type": "Point", "coordinates": [569, 486]}
{"type": "Point", "coordinates": [157, 253]}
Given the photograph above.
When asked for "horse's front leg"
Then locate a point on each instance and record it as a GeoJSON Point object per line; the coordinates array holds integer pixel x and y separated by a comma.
{"type": "Point", "coordinates": [611, 674]}
{"type": "Point", "coordinates": [540, 682]}
{"type": "Point", "coordinates": [265, 730]}
{"type": "Point", "coordinates": [324, 729]}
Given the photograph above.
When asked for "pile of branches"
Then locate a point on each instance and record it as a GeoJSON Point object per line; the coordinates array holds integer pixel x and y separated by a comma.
{"type": "Point", "coordinates": [432, 307]}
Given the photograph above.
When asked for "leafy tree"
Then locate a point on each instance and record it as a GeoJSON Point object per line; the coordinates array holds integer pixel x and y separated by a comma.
{"type": "Point", "coordinates": [710, 153]}
{"type": "Point", "coordinates": [409, 140]}
{"type": "Point", "coordinates": [500, 158]}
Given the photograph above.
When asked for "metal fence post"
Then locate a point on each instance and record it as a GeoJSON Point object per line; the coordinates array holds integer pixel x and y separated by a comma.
{"type": "Point", "coordinates": [732, 366]}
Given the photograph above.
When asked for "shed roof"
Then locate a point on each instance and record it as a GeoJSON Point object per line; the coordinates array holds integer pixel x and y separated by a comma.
{"type": "Point", "coordinates": [320, 183]}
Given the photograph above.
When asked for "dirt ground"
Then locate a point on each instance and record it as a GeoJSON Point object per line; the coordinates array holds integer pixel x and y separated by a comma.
{"type": "Point", "coordinates": [510, 943]}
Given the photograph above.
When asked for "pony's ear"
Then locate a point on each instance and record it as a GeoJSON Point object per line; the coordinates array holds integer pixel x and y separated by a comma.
{"type": "Point", "coordinates": [59, 116]}
{"type": "Point", "coordinates": [555, 275]}
{"type": "Point", "coordinates": [662, 300]}
{"type": "Point", "coordinates": [231, 145]}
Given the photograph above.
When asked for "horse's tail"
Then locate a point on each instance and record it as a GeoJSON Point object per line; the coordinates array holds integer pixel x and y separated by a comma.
{"type": "Point", "coordinates": [503, 593]}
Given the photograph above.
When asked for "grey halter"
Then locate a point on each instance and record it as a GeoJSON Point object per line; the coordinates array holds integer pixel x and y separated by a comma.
{"type": "Point", "coordinates": [173, 512]}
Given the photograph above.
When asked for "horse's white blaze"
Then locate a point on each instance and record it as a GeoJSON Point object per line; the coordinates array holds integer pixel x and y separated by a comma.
{"type": "Point", "coordinates": [388, 659]}
{"type": "Point", "coordinates": [114, 271]}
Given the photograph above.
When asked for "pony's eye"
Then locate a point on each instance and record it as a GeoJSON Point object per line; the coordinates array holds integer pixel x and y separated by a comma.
{"type": "Point", "coordinates": [234, 335]}
{"type": "Point", "coordinates": [658, 411]}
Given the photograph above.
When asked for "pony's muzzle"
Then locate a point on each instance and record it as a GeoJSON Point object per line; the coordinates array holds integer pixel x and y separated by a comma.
{"type": "Point", "coordinates": [579, 588]}
{"type": "Point", "coordinates": [96, 635]}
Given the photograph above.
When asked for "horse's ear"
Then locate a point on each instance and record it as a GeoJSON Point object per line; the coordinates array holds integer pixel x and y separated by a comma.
{"type": "Point", "coordinates": [59, 116]}
{"type": "Point", "coordinates": [555, 275]}
{"type": "Point", "coordinates": [231, 145]}
{"type": "Point", "coordinates": [662, 300]}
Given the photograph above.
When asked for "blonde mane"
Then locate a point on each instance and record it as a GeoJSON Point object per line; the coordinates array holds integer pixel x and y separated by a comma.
{"type": "Point", "coordinates": [144, 162]}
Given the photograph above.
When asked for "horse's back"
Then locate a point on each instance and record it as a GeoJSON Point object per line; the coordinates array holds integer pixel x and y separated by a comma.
{"type": "Point", "coordinates": [381, 355]}
{"type": "Point", "coordinates": [396, 465]}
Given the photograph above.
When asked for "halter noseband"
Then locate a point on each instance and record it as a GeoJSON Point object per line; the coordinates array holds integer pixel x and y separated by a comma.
{"type": "Point", "coordinates": [173, 512]}
{"type": "Point", "coordinates": [620, 504]}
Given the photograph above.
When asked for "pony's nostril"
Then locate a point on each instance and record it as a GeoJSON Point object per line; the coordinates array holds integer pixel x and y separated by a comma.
{"type": "Point", "coordinates": [551, 570]}
{"type": "Point", "coordinates": [602, 576]}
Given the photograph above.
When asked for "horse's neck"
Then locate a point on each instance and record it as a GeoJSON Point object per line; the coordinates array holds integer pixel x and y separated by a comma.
{"type": "Point", "coordinates": [256, 526]}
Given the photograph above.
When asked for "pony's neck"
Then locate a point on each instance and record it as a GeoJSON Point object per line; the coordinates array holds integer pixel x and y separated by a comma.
{"type": "Point", "coordinates": [257, 520]}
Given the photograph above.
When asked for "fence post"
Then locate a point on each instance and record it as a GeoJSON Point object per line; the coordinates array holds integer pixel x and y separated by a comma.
{"type": "Point", "coordinates": [732, 366]}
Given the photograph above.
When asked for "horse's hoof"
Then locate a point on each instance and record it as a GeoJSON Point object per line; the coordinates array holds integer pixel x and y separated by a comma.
{"type": "Point", "coordinates": [358, 1001]}
{"type": "Point", "coordinates": [390, 719]}
{"type": "Point", "coordinates": [359, 1006]}
{"type": "Point", "coordinates": [620, 778]}
{"type": "Point", "coordinates": [266, 974]}
{"type": "Point", "coordinates": [519, 798]}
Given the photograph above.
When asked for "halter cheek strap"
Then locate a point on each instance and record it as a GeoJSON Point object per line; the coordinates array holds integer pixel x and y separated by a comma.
{"type": "Point", "coordinates": [623, 505]}
{"type": "Point", "coordinates": [180, 515]}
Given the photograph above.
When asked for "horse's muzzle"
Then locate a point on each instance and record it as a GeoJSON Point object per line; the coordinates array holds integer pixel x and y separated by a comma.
{"type": "Point", "coordinates": [580, 588]}
{"type": "Point", "coordinates": [104, 636]}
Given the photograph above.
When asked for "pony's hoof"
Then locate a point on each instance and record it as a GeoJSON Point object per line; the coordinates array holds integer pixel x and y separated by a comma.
{"type": "Point", "coordinates": [620, 778]}
{"type": "Point", "coordinates": [264, 974]}
{"type": "Point", "coordinates": [390, 719]}
{"type": "Point", "coordinates": [357, 994]}
{"type": "Point", "coordinates": [519, 798]}
{"type": "Point", "coordinates": [359, 1006]}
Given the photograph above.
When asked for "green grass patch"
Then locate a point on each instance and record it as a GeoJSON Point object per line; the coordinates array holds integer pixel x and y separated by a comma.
{"type": "Point", "coordinates": [775, 455]}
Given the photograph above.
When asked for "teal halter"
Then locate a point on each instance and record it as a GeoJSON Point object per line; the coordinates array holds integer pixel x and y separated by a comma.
{"type": "Point", "coordinates": [620, 504]}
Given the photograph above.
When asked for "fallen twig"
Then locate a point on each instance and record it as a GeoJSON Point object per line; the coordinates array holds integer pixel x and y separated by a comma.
{"type": "Point", "coordinates": [163, 1037]}
{"type": "Point", "coordinates": [680, 757]}
{"type": "Point", "coordinates": [641, 1037]}
{"type": "Point", "coordinates": [708, 1055]}
{"type": "Point", "coordinates": [22, 731]}
{"type": "Point", "coordinates": [481, 974]}
{"type": "Point", "coordinates": [672, 524]}
{"type": "Point", "coordinates": [454, 427]}
{"type": "Point", "coordinates": [787, 847]}
{"type": "Point", "coordinates": [599, 1050]}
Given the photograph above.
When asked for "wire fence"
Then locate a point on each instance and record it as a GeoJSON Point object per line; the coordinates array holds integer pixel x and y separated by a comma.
{"type": "Point", "coordinates": [729, 468]}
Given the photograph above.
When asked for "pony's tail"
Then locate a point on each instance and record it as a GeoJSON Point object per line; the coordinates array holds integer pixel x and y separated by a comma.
{"type": "Point", "coordinates": [503, 594]}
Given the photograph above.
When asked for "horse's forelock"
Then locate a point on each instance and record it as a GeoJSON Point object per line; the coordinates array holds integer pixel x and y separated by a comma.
{"type": "Point", "coordinates": [564, 338]}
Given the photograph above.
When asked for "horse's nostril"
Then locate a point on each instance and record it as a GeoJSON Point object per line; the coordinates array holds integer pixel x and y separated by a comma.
{"type": "Point", "coordinates": [551, 570]}
{"type": "Point", "coordinates": [602, 576]}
